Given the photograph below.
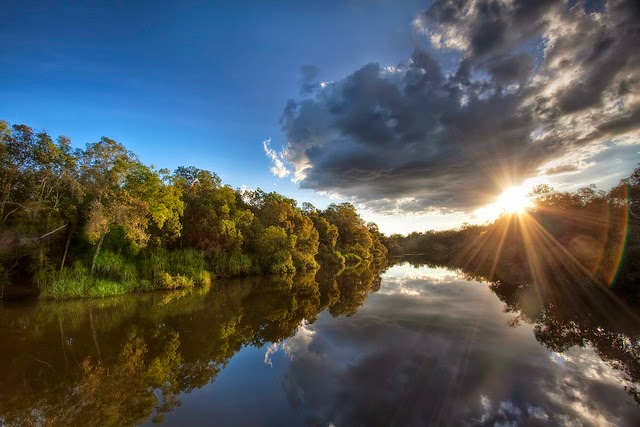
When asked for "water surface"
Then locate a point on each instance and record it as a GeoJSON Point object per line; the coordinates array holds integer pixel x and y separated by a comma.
{"type": "Point", "coordinates": [415, 345]}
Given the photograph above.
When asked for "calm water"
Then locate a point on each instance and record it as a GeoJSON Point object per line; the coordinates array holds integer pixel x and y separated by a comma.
{"type": "Point", "coordinates": [413, 345]}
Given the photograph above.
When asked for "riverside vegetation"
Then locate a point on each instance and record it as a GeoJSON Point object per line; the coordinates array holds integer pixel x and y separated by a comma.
{"type": "Point", "coordinates": [564, 238]}
{"type": "Point", "coordinates": [98, 222]}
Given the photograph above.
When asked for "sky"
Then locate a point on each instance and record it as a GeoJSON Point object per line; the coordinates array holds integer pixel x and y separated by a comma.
{"type": "Point", "coordinates": [420, 113]}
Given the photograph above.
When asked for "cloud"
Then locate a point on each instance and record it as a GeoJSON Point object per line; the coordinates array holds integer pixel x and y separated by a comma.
{"type": "Point", "coordinates": [532, 83]}
{"type": "Point", "coordinates": [278, 168]}
{"type": "Point", "coordinates": [418, 358]}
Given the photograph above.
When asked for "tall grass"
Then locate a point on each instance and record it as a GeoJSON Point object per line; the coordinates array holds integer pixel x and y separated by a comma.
{"type": "Point", "coordinates": [232, 264]}
{"type": "Point", "coordinates": [69, 283]}
{"type": "Point", "coordinates": [116, 275]}
{"type": "Point", "coordinates": [115, 267]}
{"type": "Point", "coordinates": [175, 269]}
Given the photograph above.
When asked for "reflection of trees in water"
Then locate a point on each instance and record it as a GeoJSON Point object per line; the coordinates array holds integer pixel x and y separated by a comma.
{"type": "Point", "coordinates": [573, 314]}
{"type": "Point", "coordinates": [118, 361]}
{"type": "Point", "coordinates": [354, 286]}
{"type": "Point", "coordinates": [567, 312]}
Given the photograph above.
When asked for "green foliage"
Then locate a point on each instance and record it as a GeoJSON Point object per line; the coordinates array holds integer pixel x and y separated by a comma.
{"type": "Point", "coordinates": [77, 282]}
{"type": "Point", "coordinates": [274, 250]}
{"type": "Point", "coordinates": [213, 220]}
{"type": "Point", "coordinates": [167, 281]}
{"type": "Point", "coordinates": [115, 267]}
{"type": "Point", "coordinates": [138, 228]}
{"type": "Point", "coordinates": [168, 269]}
{"type": "Point", "coordinates": [163, 200]}
{"type": "Point", "coordinates": [274, 210]}
{"type": "Point", "coordinates": [69, 283]}
{"type": "Point", "coordinates": [353, 235]}
{"type": "Point", "coordinates": [115, 275]}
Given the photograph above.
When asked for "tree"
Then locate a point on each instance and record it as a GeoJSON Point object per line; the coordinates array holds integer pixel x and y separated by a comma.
{"type": "Point", "coordinates": [273, 209]}
{"type": "Point", "coordinates": [104, 167]}
{"type": "Point", "coordinates": [213, 219]}
{"type": "Point", "coordinates": [274, 250]}
{"type": "Point", "coordinates": [353, 235]}
{"type": "Point", "coordinates": [40, 189]}
{"type": "Point", "coordinates": [162, 200]}
{"type": "Point", "coordinates": [327, 239]}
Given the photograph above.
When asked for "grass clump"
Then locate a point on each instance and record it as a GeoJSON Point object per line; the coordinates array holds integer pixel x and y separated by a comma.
{"type": "Point", "coordinates": [116, 275]}
{"type": "Point", "coordinates": [112, 266]}
{"type": "Point", "coordinates": [69, 283]}
{"type": "Point", "coordinates": [232, 264]}
{"type": "Point", "coordinates": [175, 269]}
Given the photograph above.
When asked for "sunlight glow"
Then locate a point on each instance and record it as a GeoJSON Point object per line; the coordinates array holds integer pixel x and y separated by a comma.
{"type": "Point", "coordinates": [514, 200]}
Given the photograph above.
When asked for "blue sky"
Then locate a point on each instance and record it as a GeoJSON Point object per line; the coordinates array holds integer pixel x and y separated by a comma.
{"type": "Point", "coordinates": [204, 84]}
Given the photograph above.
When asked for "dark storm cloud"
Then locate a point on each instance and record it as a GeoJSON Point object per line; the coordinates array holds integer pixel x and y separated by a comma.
{"type": "Point", "coordinates": [536, 82]}
{"type": "Point", "coordinates": [511, 69]}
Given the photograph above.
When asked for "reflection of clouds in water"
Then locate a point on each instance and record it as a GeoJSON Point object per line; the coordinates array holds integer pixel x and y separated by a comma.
{"type": "Point", "coordinates": [406, 360]}
{"type": "Point", "coordinates": [409, 280]}
{"type": "Point", "coordinates": [296, 346]}
{"type": "Point", "coordinates": [583, 374]}
{"type": "Point", "coordinates": [507, 413]}
{"type": "Point", "coordinates": [271, 349]}
{"type": "Point", "coordinates": [407, 271]}
{"type": "Point", "coordinates": [589, 363]}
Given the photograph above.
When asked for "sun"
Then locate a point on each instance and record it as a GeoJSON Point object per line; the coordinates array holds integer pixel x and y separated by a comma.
{"type": "Point", "coordinates": [514, 200]}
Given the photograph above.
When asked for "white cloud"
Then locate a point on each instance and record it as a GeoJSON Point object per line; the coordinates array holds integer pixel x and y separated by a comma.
{"type": "Point", "coordinates": [491, 97]}
{"type": "Point", "coordinates": [278, 168]}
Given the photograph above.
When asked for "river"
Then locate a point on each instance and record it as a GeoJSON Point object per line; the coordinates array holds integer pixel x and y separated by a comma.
{"type": "Point", "coordinates": [410, 344]}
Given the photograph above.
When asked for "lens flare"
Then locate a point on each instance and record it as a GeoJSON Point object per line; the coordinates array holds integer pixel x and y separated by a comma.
{"type": "Point", "coordinates": [622, 234]}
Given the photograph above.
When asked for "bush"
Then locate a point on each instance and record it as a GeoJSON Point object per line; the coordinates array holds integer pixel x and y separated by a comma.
{"type": "Point", "coordinates": [175, 282]}
{"type": "Point", "coordinates": [274, 249]}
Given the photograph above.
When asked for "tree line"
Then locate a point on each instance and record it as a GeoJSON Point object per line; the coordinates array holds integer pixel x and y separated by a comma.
{"type": "Point", "coordinates": [585, 236]}
{"type": "Point", "coordinates": [97, 221]}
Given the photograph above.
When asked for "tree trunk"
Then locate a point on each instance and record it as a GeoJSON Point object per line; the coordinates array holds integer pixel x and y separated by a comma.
{"type": "Point", "coordinates": [64, 347]}
{"type": "Point", "coordinates": [5, 198]}
{"type": "Point", "coordinates": [95, 336]}
{"type": "Point", "coordinates": [66, 249]}
{"type": "Point", "coordinates": [95, 257]}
